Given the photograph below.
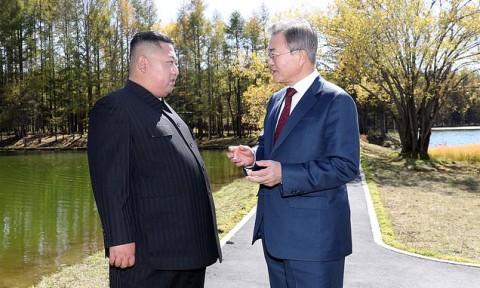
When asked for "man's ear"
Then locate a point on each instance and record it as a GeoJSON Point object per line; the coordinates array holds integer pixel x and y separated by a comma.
{"type": "Point", "coordinates": [302, 56]}
{"type": "Point", "coordinates": [142, 63]}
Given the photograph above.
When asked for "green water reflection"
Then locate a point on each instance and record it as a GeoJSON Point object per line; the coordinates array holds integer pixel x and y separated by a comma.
{"type": "Point", "coordinates": [48, 214]}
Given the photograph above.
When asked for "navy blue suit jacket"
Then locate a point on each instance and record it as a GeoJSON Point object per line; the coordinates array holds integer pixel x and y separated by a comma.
{"type": "Point", "coordinates": [150, 182]}
{"type": "Point", "coordinates": [307, 216]}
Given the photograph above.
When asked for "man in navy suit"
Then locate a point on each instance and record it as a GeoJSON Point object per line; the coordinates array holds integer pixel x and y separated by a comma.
{"type": "Point", "coordinates": [305, 156]}
{"type": "Point", "coordinates": [149, 179]}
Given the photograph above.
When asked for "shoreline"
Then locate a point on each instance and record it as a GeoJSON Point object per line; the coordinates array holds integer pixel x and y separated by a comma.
{"type": "Point", "coordinates": [65, 149]}
{"type": "Point", "coordinates": [456, 128]}
{"type": "Point", "coordinates": [12, 149]}
{"type": "Point", "coordinates": [77, 142]}
{"type": "Point", "coordinates": [65, 142]}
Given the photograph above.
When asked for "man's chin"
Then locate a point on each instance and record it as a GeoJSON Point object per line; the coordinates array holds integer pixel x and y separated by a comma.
{"type": "Point", "coordinates": [276, 79]}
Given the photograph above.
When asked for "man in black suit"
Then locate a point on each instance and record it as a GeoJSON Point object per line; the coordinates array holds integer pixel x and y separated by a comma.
{"type": "Point", "coordinates": [149, 179]}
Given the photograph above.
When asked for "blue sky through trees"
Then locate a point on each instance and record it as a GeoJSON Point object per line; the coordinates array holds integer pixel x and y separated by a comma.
{"type": "Point", "coordinates": [168, 10]}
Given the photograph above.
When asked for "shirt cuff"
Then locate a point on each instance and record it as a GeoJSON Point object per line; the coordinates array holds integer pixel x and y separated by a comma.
{"type": "Point", "coordinates": [254, 160]}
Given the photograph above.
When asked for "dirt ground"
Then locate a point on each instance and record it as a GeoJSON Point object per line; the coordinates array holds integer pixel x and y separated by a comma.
{"type": "Point", "coordinates": [433, 206]}
{"type": "Point", "coordinates": [40, 141]}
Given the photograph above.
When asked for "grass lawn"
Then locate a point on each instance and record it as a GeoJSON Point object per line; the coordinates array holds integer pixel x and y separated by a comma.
{"type": "Point", "coordinates": [426, 207]}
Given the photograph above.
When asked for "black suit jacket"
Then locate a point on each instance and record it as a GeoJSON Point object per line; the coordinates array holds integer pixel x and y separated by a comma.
{"type": "Point", "coordinates": [150, 182]}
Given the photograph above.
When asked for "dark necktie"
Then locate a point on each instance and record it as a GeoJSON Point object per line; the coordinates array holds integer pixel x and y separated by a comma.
{"type": "Point", "coordinates": [285, 112]}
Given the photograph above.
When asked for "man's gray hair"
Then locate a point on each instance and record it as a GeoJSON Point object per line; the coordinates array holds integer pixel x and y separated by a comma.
{"type": "Point", "coordinates": [299, 35]}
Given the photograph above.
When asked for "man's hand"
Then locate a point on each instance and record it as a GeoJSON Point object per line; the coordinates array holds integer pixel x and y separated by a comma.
{"type": "Point", "coordinates": [122, 256]}
{"type": "Point", "coordinates": [270, 176]}
{"type": "Point", "coordinates": [241, 155]}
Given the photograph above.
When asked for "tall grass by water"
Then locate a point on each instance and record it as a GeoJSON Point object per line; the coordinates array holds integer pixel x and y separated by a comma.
{"type": "Point", "coordinates": [469, 153]}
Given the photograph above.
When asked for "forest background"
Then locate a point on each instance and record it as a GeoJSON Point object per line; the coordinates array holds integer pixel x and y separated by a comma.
{"type": "Point", "coordinates": [409, 64]}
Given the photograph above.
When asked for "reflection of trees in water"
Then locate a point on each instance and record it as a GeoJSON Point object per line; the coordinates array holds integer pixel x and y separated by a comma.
{"type": "Point", "coordinates": [48, 213]}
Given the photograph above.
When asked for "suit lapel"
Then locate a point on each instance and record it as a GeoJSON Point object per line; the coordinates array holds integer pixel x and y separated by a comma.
{"type": "Point", "coordinates": [273, 117]}
{"type": "Point", "coordinates": [154, 102]}
{"type": "Point", "coordinates": [304, 105]}
{"type": "Point", "coordinates": [184, 131]}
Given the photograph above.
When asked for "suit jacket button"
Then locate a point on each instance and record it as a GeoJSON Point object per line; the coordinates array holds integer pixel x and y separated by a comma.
{"type": "Point", "coordinates": [178, 124]}
{"type": "Point", "coordinates": [191, 145]}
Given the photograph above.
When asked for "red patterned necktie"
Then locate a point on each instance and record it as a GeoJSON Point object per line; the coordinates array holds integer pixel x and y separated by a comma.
{"type": "Point", "coordinates": [285, 112]}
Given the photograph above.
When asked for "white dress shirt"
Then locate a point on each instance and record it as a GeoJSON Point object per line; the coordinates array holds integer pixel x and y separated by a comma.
{"type": "Point", "coordinates": [301, 87]}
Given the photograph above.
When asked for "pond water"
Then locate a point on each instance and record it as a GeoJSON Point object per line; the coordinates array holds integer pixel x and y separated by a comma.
{"type": "Point", "coordinates": [49, 218]}
{"type": "Point", "coordinates": [455, 136]}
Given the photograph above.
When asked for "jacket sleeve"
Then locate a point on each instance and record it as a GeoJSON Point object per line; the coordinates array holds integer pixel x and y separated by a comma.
{"type": "Point", "coordinates": [341, 157]}
{"type": "Point", "coordinates": [108, 157]}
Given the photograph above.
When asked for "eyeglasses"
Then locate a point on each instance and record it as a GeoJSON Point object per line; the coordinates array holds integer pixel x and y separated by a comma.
{"type": "Point", "coordinates": [274, 56]}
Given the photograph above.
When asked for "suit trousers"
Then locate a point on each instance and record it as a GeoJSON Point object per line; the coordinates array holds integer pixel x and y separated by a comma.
{"type": "Point", "coordinates": [142, 277]}
{"type": "Point", "coordinates": [284, 273]}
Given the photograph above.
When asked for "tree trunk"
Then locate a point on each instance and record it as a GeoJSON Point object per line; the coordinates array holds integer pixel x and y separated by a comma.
{"type": "Point", "coordinates": [363, 118]}
{"type": "Point", "coordinates": [414, 131]}
{"type": "Point", "coordinates": [238, 120]}
{"type": "Point", "coordinates": [383, 122]}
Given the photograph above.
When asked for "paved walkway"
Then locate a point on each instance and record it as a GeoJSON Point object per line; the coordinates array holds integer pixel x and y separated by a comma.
{"type": "Point", "coordinates": [372, 264]}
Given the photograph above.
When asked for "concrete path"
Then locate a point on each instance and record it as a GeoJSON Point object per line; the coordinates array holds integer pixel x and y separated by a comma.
{"type": "Point", "coordinates": [372, 264]}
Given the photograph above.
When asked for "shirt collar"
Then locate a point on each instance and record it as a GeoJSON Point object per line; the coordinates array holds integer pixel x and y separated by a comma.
{"type": "Point", "coordinates": [146, 95]}
{"type": "Point", "coordinates": [302, 86]}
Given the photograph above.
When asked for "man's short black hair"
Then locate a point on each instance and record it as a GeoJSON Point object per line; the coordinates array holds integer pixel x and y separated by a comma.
{"type": "Point", "coordinates": [153, 37]}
